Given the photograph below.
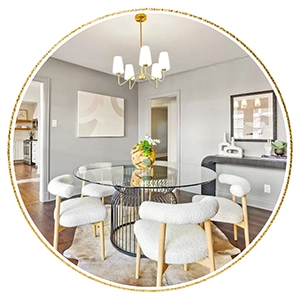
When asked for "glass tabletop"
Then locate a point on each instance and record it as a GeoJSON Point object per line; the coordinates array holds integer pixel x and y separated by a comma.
{"type": "Point", "coordinates": [162, 174]}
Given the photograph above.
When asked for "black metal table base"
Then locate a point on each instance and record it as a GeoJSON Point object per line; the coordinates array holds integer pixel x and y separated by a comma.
{"type": "Point", "coordinates": [125, 211]}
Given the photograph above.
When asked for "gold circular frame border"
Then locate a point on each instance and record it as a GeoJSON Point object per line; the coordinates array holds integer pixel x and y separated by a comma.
{"type": "Point", "coordinates": [207, 276]}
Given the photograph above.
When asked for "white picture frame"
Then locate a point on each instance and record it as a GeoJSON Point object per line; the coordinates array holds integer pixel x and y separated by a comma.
{"type": "Point", "coordinates": [22, 114]}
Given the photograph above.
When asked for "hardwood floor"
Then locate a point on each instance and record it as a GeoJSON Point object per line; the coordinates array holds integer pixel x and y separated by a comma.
{"type": "Point", "coordinates": [42, 213]}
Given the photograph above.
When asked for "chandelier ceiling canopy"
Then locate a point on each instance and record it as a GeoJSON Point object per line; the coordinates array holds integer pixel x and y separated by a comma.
{"type": "Point", "coordinates": [158, 70]}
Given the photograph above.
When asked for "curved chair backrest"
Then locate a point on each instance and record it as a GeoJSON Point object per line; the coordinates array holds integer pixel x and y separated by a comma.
{"type": "Point", "coordinates": [92, 169]}
{"type": "Point", "coordinates": [182, 213]}
{"type": "Point", "coordinates": [62, 186]}
{"type": "Point", "coordinates": [104, 164]}
{"type": "Point", "coordinates": [239, 186]}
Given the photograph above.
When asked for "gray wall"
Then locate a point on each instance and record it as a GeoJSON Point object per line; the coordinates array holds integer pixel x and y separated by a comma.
{"type": "Point", "coordinates": [67, 151]}
{"type": "Point", "coordinates": [205, 116]}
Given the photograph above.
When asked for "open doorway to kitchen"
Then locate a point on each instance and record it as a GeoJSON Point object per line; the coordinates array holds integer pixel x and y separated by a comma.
{"type": "Point", "coordinates": [31, 139]}
{"type": "Point", "coordinates": [164, 125]}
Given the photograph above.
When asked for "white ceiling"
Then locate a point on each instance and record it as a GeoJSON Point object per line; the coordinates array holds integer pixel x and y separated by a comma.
{"type": "Point", "coordinates": [190, 42]}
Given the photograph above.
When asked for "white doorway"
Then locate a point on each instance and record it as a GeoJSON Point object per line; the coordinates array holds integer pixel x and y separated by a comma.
{"type": "Point", "coordinates": [44, 135]}
{"type": "Point", "coordinates": [38, 93]}
{"type": "Point", "coordinates": [164, 123]}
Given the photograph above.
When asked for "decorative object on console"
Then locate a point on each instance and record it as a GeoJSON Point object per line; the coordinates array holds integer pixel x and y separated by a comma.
{"type": "Point", "coordinates": [232, 150]}
{"type": "Point", "coordinates": [268, 148]}
{"type": "Point", "coordinates": [223, 144]}
{"type": "Point", "coordinates": [279, 147]}
{"type": "Point", "coordinates": [143, 154]}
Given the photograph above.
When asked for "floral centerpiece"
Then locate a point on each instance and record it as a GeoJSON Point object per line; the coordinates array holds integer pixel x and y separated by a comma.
{"type": "Point", "coordinates": [143, 154]}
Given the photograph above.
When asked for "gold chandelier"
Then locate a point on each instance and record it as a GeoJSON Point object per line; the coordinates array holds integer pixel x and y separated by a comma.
{"type": "Point", "coordinates": [158, 70]}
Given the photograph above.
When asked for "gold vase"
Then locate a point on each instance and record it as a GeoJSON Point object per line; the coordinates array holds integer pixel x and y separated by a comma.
{"type": "Point", "coordinates": [139, 160]}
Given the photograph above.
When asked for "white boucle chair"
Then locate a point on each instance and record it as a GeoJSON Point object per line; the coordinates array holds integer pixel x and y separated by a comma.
{"type": "Point", "coordinates": [93, 189]}
{"type": "Point", "coordinates": [229, 210]}
{"type": "Point", "coordinates": [171, 234]}
{"type": "Point", "coordinates": [75, 211]}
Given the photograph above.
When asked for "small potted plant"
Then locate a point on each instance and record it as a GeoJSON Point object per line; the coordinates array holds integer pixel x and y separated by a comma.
{"type": "Point", "coordinates": [31, 135]}
{"type": "Point", "coordinates": [278, 147]}
{"type": "Point", "coordinates": [143, 154]}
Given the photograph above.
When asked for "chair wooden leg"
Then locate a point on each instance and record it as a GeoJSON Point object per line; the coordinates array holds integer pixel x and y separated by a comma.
{"type": "Point", "coordinates": [235, 232]}
{"type": "Point", "coordinates": [210, 247]}
{"type": "Point", "coordinates": [57, 230]}
{"type": "Point", "coordinates": [95, 230]}
{"type": "Point", "coordinates": [101, 224]}
{"type": "Point", "coordinates": [82, 185]}
{"type": "Point", "coordinates": [246, 224]}
{"type": "Point", "coordinates": [138, 261]}
{"type": "Point", "coordinates": [56, 222]}
{"type": "Point", "coordinates": [161, 266]}
{"type": "Point", "coordinates": [55, 238]}
{"type": "Point", "coordinates": [185, 267]}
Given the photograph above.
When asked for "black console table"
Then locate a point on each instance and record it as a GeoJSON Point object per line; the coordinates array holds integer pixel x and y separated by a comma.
{"type": "Point", "coordinates": [259, 162]}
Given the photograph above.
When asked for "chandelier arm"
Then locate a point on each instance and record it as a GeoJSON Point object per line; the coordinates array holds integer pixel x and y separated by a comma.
{"type": "Point", "coordinates": [130, 80]}
{"type": "Point", "coordinates": [119, 80]}
{"type": "Point", "coordinates": [156, 79]}
{"type": "Point", "coordinates": [131, 85]}
{"type": "Point", "coordinates": [151, 79]}
{"type": "Point", "coordinates": [163, 76]}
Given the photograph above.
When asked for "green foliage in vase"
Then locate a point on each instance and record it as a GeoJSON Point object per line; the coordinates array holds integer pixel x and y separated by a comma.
{"type": "Point", "coordinates": [278, 144]}
{"type": "Point", "coordinates": [31, 135]}
{"type": "Point", "coordinates": [146, 146]}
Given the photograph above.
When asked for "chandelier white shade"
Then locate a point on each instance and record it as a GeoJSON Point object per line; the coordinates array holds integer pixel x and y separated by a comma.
{"type": "Point", "coordinates": [129, 72]}
{"type": "Point", "coordinates": [118, 66]}
{"type": "Point", "coordinates": [158, 70]}
{"type": "Point", "coordinates": [164, 61]}
{"type": "Point", "coordinates": [145, 57]}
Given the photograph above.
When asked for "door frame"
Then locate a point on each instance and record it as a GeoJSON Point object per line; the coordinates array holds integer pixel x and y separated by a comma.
{"type": "Point", "coordinates": [44, 136]}
{"type": "Point", "coordinates": [175, 95]}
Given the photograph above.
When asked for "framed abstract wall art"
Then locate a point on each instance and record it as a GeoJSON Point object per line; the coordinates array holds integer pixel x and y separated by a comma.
{"type": "Point", "coordinates": [100, 115]}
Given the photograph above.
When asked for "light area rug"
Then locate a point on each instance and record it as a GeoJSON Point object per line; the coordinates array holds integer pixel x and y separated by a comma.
{"type": "Point", "coordinates": [120, 268]}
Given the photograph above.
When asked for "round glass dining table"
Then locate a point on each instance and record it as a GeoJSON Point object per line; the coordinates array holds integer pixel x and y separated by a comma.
{"type": "Point", "coordinates": [133, 186]}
